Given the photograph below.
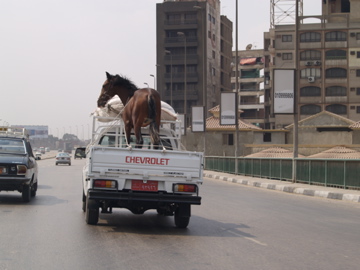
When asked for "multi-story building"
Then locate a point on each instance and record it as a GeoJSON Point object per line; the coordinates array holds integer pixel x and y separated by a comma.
{"type": "Point", "coordinates": [326, 54]}
{"type": "Point", "coordinates": [251, 84]}
{"type": "Point", "coordinates": [193, 54]}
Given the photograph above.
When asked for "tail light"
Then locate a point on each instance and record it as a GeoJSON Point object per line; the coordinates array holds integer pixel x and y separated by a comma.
{"type": "Point", "coordinates": [185, 188]}
{"type": "Point", "coordinates": [21, 169]}
{"type": "Point", "coordinates": [104, 184]}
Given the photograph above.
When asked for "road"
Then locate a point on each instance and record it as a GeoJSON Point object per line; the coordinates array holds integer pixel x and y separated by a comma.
{"type": "Point", "coordinates": [236, 227]}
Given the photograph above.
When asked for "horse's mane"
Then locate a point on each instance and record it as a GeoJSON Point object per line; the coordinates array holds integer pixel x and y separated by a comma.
{"type": "Point", "coordinates": [127, 83]}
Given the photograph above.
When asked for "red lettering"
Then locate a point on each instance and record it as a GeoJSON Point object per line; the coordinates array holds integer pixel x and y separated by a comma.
{"type": "Point", "coordinates": [147, 160]}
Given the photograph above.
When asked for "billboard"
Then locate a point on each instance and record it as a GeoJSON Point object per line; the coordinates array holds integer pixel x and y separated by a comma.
{"type": "Point", "coordinates": [228, 108]}
{"type": "Point", "coordinates": [181, 118]}
{"type": "Point", "coordinates": [198, 119]}
{"type": "Point", "coordinates": [35, 132]}
{"type": "Point", "coordinates": [284, 91]}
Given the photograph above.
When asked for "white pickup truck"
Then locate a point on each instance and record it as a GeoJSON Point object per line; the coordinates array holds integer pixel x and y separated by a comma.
{"type": "Point", "coordinates": [118, 175]}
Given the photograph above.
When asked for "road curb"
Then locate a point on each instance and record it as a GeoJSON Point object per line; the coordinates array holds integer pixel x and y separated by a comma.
{"type": "Point", "coordinates": [288, 188]}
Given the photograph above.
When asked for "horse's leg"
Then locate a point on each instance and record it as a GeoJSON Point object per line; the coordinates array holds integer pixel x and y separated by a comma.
{"type": "Point", "coordinates": [139, 138]}
{"type": "Point", "coordinates": [128, 133]}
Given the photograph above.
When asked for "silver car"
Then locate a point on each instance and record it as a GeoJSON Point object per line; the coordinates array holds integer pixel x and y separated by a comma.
{"type": "Point", "coordinates": [63, 158]}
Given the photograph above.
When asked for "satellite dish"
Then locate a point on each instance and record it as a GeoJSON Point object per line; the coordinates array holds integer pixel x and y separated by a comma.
{"type": "Point", "coordinates": [248, 47]}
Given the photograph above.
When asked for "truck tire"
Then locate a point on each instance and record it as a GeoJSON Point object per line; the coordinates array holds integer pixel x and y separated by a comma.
{"type": "Point", "coordinates": [34, 189]}
{"type": "Point", "coordinates": [83, 202]}
{"type": "Point", "coordinates": [26, 193]}
{"type": "Point", "coordinates": [182, 216]}
{"type": "Point", "coordinates": [92, 212]}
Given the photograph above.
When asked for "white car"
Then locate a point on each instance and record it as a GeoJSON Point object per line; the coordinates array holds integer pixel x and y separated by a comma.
{"type": "Point", "coordinates": [37, 155]}
{"type": "Point", "coordinates": [63, 158]}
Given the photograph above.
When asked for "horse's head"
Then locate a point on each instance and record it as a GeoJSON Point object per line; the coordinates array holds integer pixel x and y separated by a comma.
{"type": "Point", "coordinates": [107, 90]}
{"type": "Point", "coordinates": [116, 85]}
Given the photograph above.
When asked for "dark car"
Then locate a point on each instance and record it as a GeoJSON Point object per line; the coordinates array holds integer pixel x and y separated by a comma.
{"type": "Point", "coordinates": [63, 158]}
{"type": "Point", "coordinates": [18, 167]}
{"type": "Point", "coordinates": [80, 153]}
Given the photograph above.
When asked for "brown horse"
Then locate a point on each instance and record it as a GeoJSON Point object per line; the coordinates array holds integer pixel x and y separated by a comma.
{"type": "Point", "coordinates": [142, 107]}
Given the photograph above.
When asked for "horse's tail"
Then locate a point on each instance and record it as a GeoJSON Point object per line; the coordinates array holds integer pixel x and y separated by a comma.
{"type": "Point", "coordinates": [153, 128]}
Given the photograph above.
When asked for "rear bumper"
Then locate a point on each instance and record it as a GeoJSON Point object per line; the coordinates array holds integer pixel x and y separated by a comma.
{"type": "Point", "coordinates": [15, 183]}
{"type": "Point", "coordinates": [143, 197]}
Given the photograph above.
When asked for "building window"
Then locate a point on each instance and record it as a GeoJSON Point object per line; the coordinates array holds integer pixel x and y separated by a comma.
{"type": "Point", "coordinates": [358, 54]}
{"type": "Point", "coordinates": [335, 91]}
{"type": "Point", "coordinates": [310, 37]}
{"type": "Point", "coordinates": [345, 6]}
{"type": "Point", "coordinates": [358, 73]}
{"type": "Point", "coordinates": [357, 36]}
{"type": "Point", "coordinates": [213, 54]}
{"type": "Point", "coordinates": [335, 36]}
{"type": "Point", "coordinates": [310, 91]}
{"type": "Point", "coordinates": [335, 54]}
{"type": "Point", "coordinates": [287, 56]}
{"type": "Point", "coordinates": [267, 137]}
{"type": "Point", "coordinates": [336, 73]}
{"type": "Point", "coordinates": [310, 55]}
{"type": "Point", "coordinates": [228, 139]}
{"type": "Point", "coordinates": [358, 91]}
{"type": "Point", "coordinates": [337, 108]}
{"type": "Point", "coordinates": [357, 109]}
{"type": "Point", "coordinates": [310, 72]}
{"type": "Point", "coordinates": [310, 109]}
{"type": "Point", "coordinates": [286, 38]}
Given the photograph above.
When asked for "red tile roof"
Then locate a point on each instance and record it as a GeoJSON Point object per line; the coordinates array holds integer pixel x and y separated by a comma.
{"type": "Point", "coordinates": [338, 152]}
{"type": "Point", "coordinates": [213, 123]}
{"type": "Point", "coordinates": [274, 152]}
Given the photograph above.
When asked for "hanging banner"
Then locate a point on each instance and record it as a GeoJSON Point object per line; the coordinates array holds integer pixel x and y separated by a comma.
{"type": "Point", "coordinates": [198, 119]}
{"type": "Point", "coordinates": [284, 91]}
{"type": "Point", "coordinates": [228, 108]}
{"type": "Point", "coordinates": [181, 118]}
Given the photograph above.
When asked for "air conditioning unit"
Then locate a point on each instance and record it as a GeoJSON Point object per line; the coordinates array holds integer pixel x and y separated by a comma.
{"type": "Point", "coordinates": [311, 79]}
{"type": "Point", "coordinates": [308, 63]}
{"type": "Point", "coordinates": [352, 34]}
{"type": "Point", "coordinates": [317, 63]}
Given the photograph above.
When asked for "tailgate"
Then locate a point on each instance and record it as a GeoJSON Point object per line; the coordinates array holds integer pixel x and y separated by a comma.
{"type": "Point", "coordinates": [184, 164]}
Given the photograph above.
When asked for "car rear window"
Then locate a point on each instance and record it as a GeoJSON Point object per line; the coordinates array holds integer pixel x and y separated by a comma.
{"type": "Point", "coordinates": [10, 146]}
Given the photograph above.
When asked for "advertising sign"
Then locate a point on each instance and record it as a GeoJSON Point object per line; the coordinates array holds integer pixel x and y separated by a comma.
{"type": "Point", "coordinates": [228, 108]}
{"type": "Point", "coordinates": [198, 119]}
{"type": "Point", "coordinates": [35, 132]}
{"type": "Point", "coordinates": [284, 91]}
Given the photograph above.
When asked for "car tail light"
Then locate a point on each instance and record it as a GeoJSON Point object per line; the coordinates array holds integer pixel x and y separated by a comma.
{"type": "Point", "coordinates": [3, 170]}
{"type": "Point", "coordinates": [104, 184]}
{"type": "Point", "coordinates": [21, 169]}
{"type": "Point", "coordinates": [185, 188]}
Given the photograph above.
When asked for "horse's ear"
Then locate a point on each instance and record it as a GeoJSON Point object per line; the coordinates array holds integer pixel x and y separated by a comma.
{"type": "Point", "coordinates": [108, 76]}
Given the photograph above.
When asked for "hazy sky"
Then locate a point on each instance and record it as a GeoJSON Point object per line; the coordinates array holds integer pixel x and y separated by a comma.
{"type": "Point", "coordinates": [54, 53]}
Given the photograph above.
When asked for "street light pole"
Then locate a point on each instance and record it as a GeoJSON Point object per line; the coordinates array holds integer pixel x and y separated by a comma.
{"type": "Point", "coordinates": [146, 84]}
{"type": "Point", "coordinates": [185, 87]}
{"type": "Point", "coordinates": [204, 48]}
{"type": "Point", "coordinates": [154, 80]}
{"type": "Point", "coordinates": [236, 90]}
{"type": "Point", "coordinates": [171, 86]}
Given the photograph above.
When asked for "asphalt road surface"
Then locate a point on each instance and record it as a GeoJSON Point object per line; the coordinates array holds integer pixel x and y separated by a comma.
{"type": "Point", "coordinates": [236, 227]}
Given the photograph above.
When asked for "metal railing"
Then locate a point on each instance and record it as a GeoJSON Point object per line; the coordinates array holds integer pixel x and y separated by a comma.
{"type": "Point", "coordinates": [338, 173]}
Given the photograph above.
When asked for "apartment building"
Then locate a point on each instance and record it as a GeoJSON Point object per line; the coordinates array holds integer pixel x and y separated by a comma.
{"type": "Point", "coordinates": [193, 54]}
{"type": "Point", "coordinates": [251, 84]}
{"type": "Point", "coordinates": [327, 55]}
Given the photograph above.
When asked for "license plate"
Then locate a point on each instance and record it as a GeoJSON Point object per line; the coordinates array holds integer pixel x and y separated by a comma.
{"type": "Point", "coordinates": [144, 186]}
